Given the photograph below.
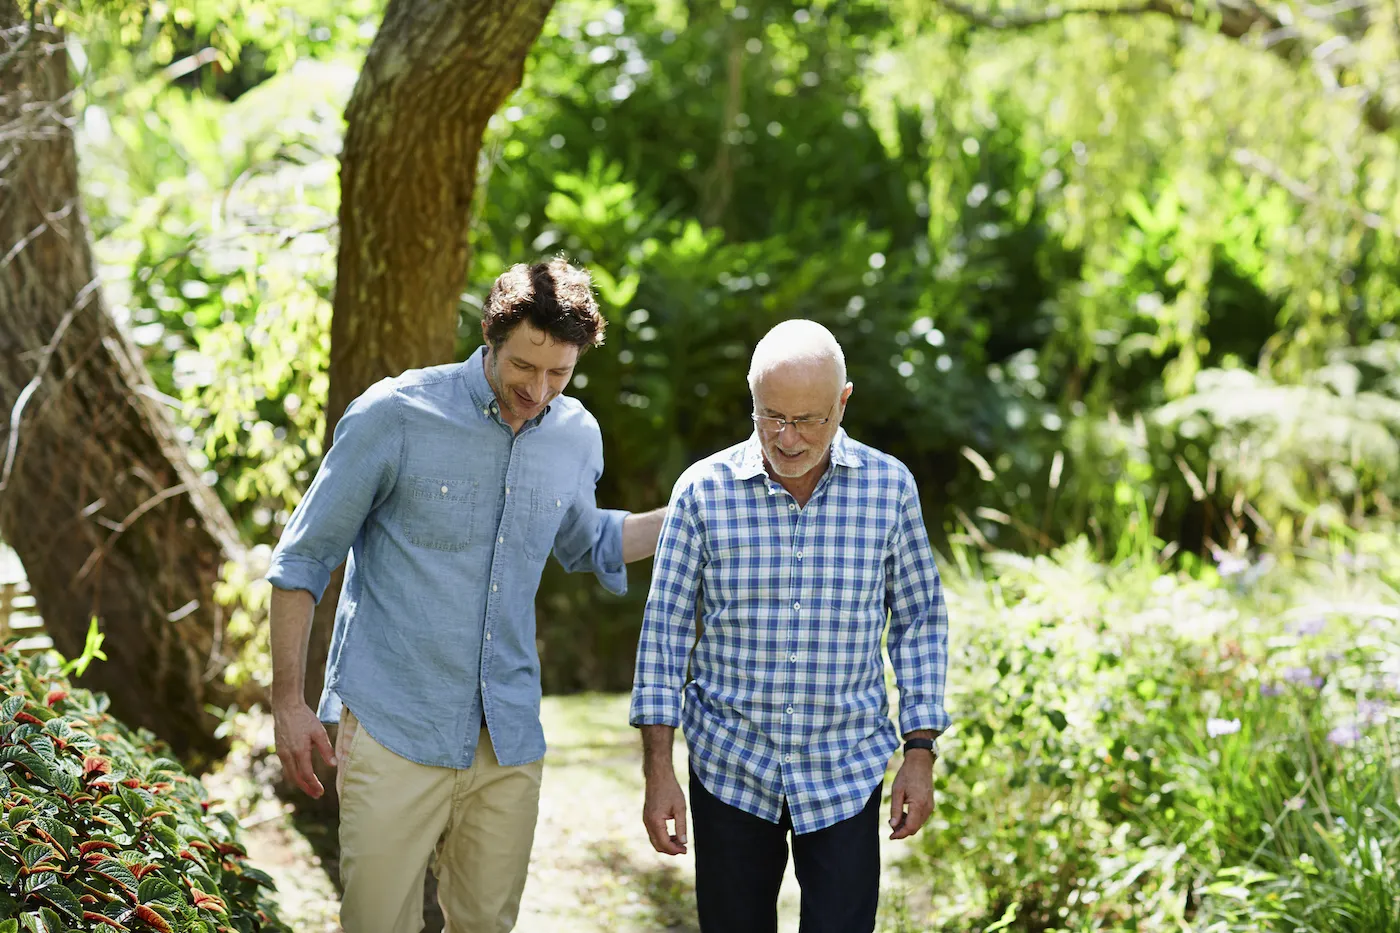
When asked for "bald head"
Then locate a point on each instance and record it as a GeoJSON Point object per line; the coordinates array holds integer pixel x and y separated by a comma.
{"type": "Point", "coordinates": [798, 382]}
{"type": "Point", "coordinates": [799, 345]}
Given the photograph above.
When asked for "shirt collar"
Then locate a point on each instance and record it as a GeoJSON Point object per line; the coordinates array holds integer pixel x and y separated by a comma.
{"type": "Point", "coordinates": [747, 461]}
{"type": "Point", "coordinates": [843, 451]}
{"type": "Point", "coordinates": [482, 396]}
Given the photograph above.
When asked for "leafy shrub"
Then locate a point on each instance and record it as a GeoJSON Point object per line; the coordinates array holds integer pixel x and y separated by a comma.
{"type": "Point", "coordinates": [1149, 750]}
{"type": "Point", "coordinates": [101, 830]}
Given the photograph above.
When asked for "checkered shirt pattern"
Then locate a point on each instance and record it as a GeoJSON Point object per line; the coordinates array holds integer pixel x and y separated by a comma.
{"type": "Point", "coordinates": [785, 697]}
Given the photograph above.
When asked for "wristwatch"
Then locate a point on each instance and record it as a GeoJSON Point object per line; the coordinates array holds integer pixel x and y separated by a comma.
{"type": "Point", "coordinates": [925, 744]}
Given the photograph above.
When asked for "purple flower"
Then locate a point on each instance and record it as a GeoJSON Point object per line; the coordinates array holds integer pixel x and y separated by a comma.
{"type": "Point", "coordinates": [1302, 675]}
{"type": "Point", "coordinates": [1270, 690]}
{"type": "Point", "coordinates": [1229, 566]}
{"type": "Point", "coordinates": [1344, 735]}
{"type": "Point", "coordinates": [1218, 727]}
{"type": "Point", "coordinates": [1372, 712]}
{"type": "Point", "coordinates": [1311, 626]}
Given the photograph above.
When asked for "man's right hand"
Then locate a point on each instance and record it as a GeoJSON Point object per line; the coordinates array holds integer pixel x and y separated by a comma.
{"type": "Point", "coordinates": [297, 731]}
{"type": "Point", "coordinates": [664, 801]}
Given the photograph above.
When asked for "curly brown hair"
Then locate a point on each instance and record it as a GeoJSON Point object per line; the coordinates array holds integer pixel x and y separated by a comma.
{"type": "Point", "coordinates": [553, 296]}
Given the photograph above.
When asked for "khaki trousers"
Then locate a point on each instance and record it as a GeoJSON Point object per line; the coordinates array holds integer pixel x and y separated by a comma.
{"type": "Point", "coordinates": [476, 824]}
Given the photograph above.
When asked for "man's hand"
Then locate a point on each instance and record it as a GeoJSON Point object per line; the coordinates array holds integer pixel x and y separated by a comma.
{"type": "Point", "coordinates": [297, 731]}
{"type": "Point", "coordinates": [913, 788]}
{"type": "Point", "coordinates": [665, 801]}
{"type": "Point", "coordinates": [297, 728]}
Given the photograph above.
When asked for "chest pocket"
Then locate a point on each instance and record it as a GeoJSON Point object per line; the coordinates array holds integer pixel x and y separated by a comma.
{"type": "Point", "coordinates": [547, 511]}
{"type": "Point", "coordinates": [438, 513]}
{"type": "Point", "coordinates": [856, 586]}
{"type": "Point", "coordinates": [746, 564]}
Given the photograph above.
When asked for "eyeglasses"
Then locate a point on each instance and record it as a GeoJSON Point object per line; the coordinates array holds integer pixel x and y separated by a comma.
{"type": "Point", "coordinates": [803, 425]}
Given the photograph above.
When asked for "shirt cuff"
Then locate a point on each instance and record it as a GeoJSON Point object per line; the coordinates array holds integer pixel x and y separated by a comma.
{"type": "Point", "coordinates": [916, 716]}
{"type": "Point", "coordinates": [293, 572]}
{"type": "Point", "coordinates": [655, 706]}
{"type": "Point", "coordinates": [608, 566]}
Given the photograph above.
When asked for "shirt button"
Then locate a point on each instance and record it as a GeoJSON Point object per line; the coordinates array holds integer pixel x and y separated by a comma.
{"type": "Point", "coordinates": [444, 490]}
{"type": "Point", "coordinates": [792, 505]}
{"type": "Point", "coordinates": [493, 587]}
{"type": "Point", "coordinates": [787, 758]}
{"type": "Point", "coordinates": [507, 490]}
{"type": "Point", "coordinates": [793, 659]}
{"type": "Point", "coordinates": [799, 555]}
{"type": "Point", "coordinates": [488, 638]}
{"type": "Point", "coordinates": [556, 503]}
{"type": "Point", "coordinates": [501, 539]}
{"type": "Point", "coordinates": [796, 606]}
{"type": "Point", "coordinates": [789, 709]}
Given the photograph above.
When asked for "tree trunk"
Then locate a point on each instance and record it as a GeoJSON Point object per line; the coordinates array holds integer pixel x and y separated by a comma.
{"type": "Point", "coordinates": [96, 495]}
{"type": "Point", "coordinates": [434, 76]}
{"type": "Point", "coordinates": [717, 188]}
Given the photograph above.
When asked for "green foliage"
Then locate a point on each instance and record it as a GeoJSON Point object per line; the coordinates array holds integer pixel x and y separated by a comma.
{"type": "Point", "coordinates": [1179, 228]}
{"type": "Point", "coordinates": [92, 651]}
{"type": "Point", "coordinates": [1140, 749]}
{"type": "Point", "coordinates": [1121, 282]}
{"type": "Point", "coordinates": [1049, 261]}
{"type": "Point", "coordinates": [101, 829]}
{"type": "Point", "coordinates": [1324, 447]}
{"type": "Point", "coordinates": [218, 48]}
{"type": "Point", "coordinates": [234, 311]}
{"type": "Point", "coordinates": [1086, 285]}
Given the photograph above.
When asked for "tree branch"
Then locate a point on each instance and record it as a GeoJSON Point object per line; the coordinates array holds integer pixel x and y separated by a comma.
{"type": "Point", "coordinates": [96, 556]}
{"type": "Point", "coordinates": [1237, 20]}
{"type": "Point", "coordinates": [18, 47]}
{"type": "Point", "coordinates": [1305, 193]}
{"type": "Point", "coordinates": [46, 356]}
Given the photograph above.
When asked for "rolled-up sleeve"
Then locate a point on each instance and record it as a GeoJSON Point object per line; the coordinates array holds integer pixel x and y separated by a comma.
{"type": "Point", "coordinates": [355, 477]}
{"type": "Point", "coordinates": [589, 539]}
{"type": "Point", "coordinates": [668, 622]}
{"type": "Point", "coordinates": [918, 635]}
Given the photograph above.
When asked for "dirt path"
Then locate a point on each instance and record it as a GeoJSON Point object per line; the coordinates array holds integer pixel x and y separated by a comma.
{"type": "Point", "coordinates": [592, 870]}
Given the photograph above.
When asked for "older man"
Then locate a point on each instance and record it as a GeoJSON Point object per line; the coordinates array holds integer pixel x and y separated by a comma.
{"type": "Point", "coordinates": [797, 546]}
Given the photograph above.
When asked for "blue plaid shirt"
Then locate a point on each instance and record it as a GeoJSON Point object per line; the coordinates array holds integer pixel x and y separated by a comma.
{"type": "Point", "coordinates": [448, 517]}
{"type": "Point", "coordinates": [786, 697]}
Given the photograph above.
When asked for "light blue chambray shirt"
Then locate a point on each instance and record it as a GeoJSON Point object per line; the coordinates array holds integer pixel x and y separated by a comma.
{"type": "Point", "coordinates": [785, 697]}
{"type": "Point", "coordinates": [448, 517]}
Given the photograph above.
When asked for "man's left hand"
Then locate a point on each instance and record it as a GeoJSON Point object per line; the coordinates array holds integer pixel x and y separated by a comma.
{"type": "Point", "coordinates": [913, 788]}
